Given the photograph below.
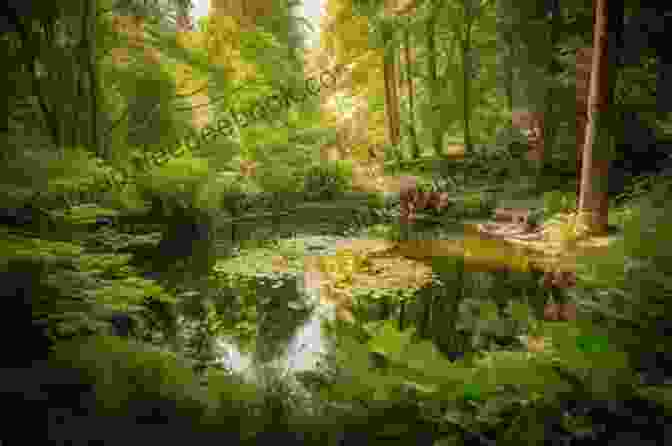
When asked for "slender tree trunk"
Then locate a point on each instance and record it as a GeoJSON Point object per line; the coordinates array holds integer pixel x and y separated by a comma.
{"type": "Point", "coordinates": [396, 109]}
{"type": "Point", "coordinates": [89, 34]}
{"type": "Point", "coordinates": [550, 122]}
{"type": "Point", "coordinates": [29, 47]}
{"type": "Point", "coordinates": [583, 67]}
{"type": "Point", "coordinates": [509, 38]}
{"type": "Point", "coordinates": [391, 98]}
{"type": "Point", "coordinates": [466, 84]}
{"type": "Point", "coordinates": [411, 97]}
{"type": "Point", "coordinates": [425, 318]}
{"type": "Point", "coordinates": [437, 136]}
{"type": "Point", "coordinates": [593, 203]}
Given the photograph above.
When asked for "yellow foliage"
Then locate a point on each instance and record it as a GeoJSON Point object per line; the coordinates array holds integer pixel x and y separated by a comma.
{"type": "Point", "coordinates": [345, 38]}
{"type": "Point", "coordinates": [223, 44]}
{"type": "Point", "coordinates": [567, 230]}
{"type": "Point", "coordinates": [184, 74]}
{"type": "Point", "coordinates": [190, 39]}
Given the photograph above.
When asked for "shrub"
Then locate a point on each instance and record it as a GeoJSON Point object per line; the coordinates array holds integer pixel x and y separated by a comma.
{"type": "Point", "coordinates": [182, 184]}
{"type": "Point", "coordinates": [557, 201]}
{"type": "Point", "coordinates": [239, 194]}
{"type": "Point", "coordinates": [635, 285]}
{"type": "Point", "coordinates": [328, 180]}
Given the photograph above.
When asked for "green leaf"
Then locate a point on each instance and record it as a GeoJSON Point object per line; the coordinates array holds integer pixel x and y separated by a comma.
{"type": "Point", "coordinates": [592, 343]}
{"type": "Point", "coordinates": [520, 311]}
{"type": "Point", "coordinates": [355, 355]}
{"type": "Point", "coordinates": [422, 388]}
{"type": "Point", "coordinates": [418, 355]}
{"type": "Point", "coordinates": [295, 305]}
{"type": "Point", "coordinates": [393, 430]}
{"type": "Point", "coordinates": [489, 311]}
{"type": "Point", "coordinates": [659, 394]}
{"type": "Point", "coordinates": [390, 342]}
{"type": "Point", "coordinates": [472, 392]}
{"type": "Point", "coordinates": [381, 394]}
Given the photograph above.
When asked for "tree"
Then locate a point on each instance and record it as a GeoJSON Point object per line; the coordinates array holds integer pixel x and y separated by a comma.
{"type": "Point", "coordinates": [470, 8]}
{"type": "Point", "coordinates": [391, 81]}
{"type": "Point", "coordinates": [593, 201]}
{"type": "Point", "coordinates": [550, 122]}
{"type": "Point", "coordinates": [433, 74]}
{"type": "Point", "coordinates": [415, 148]}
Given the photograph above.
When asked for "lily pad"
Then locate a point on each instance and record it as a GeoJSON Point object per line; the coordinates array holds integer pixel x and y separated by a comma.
{"type": "Point", "coordinates": [294, 305]}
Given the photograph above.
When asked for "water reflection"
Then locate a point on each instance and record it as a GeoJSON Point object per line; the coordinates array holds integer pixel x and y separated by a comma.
{"type": "Point", "coordinates": [287, 339]}
{"type": "Point", "coordinates": [283, 317]}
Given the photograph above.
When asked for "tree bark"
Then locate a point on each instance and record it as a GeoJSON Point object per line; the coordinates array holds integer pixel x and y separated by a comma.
{"type": "Point", "coordinates": [508, 36]}
{"type": "Point", "coordinates": [466, 84]}
{"type": "Point", "coordinates": [550, 122]}
{"type": "Point", "coordinates": [593, 202]}
{"type": "Point", "coordinates": [583, 68]}
{"type": "Point", "coordinates": [411, 97]}
{"type": "Point", "coordinates": [467, 68]}
{"type": "Point", "coordinates": [396, 109]}
{"type": "Point", "coordinates": [433, 76]}
{"type": "Point", "coordinates": [391, 97]}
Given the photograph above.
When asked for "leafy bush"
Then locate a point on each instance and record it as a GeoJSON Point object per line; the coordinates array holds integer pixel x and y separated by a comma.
{"type": "Point", "coordinates": [511, 140]}
{"type": "Point", "coordinates": [327, 181]}
{"type": "Point", "coordinates": [634, 284]}
{"type": "Point", "coordinates": [123, 373]}
{"type": "Point", "coordinates": [182, 184]}
{"type": "Point", "coordinates": [639, 187]}
{"type": "Point", "coordinates": [557, 201]}
{"type": "Point", "coordinates": [443, 183]}
{"type": "Point", "coordinates": [386, 232]}
{"type": "Point", "coordinates": [239, 193]}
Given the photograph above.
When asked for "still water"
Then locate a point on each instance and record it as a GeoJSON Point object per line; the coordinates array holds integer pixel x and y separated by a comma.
{"type": "Point", "coordinates": [295, 341]}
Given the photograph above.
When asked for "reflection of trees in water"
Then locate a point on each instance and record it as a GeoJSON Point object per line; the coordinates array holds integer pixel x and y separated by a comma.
{"type": "Point", "coordinates": [278, 322]}
{"type": "Point", "coordinates": [447, 311]}
{"type": "Point", "coordinates": [254, 313]}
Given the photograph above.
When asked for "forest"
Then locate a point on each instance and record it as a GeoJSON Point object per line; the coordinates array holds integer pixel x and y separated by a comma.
{"type": "Point", "coordinates": [442, 224]}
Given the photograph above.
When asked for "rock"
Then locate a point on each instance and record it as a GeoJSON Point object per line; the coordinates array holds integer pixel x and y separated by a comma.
{"type": "Point", "coordinates": [512, 215]}
{"type": "Point", "coordinates": [15, 217]}
{"type": "Point", "coordinates": [179, 241]}
{"type": "Point", "coordinates": [102, 222]}
{"type": "Point", "coordinates": [122, 324]}
{"type": "Point", "coordinates": [25, 216]}
{"type": "Point", "coordinates": [454, 356]}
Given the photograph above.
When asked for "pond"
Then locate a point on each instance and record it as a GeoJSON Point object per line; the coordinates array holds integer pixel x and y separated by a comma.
{"type": "Point", "coordinates": [276, 314]}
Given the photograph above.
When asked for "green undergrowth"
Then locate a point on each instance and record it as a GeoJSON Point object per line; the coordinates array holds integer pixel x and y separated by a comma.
{"type": "Point", "coordinates": [75, 285]}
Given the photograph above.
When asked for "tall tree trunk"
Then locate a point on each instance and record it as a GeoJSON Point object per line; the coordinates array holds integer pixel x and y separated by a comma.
{"type": "Point", "coordinates": [415, 148]}
{"type": "Point", "coordinates": [396, 109]}
{"type": "Point", "coordinates": [437, 135]}
{"type": "Point", "coordinates": [50, 118]}
{"type": "Point", "coordinates": [584, 58]}
{"type": "Point", "coordinates": [511, 56]}
{"type": "Point", "coordinates": [467, 66]}
{"type": "Point", "coordinates": [550, 122]}
{"type": "Point", "coordinates": [593, 203]}
{"type": "Point", "coordinates": [90, 35]}
{"type": "Point", "coordinates": [583, 71]}
{"type": "Point", "coordinates": [391, 96]}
